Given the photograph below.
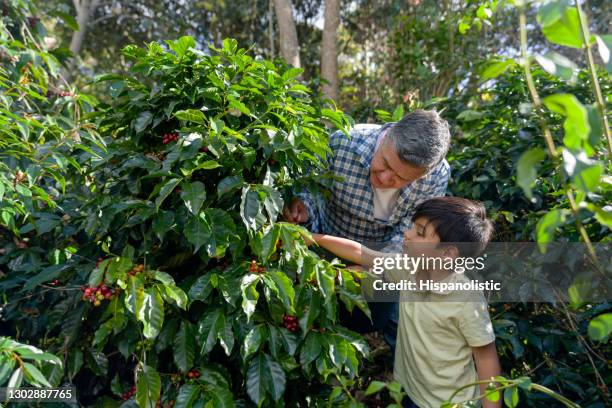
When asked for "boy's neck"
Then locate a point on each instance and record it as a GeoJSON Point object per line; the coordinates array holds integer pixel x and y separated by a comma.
{"type": "Point", "coordinates": [435, 275]}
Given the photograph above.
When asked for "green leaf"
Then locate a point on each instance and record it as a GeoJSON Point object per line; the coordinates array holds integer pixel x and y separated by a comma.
{"type": "Point", "coordinates": [181, 45]}
{"type": "Point", "coordinates": [496, 68]}
{"type": "Point", "coordinates": [253, 341]}
{"type": "Point", "coordinates": [546, 227]}
{"type": "Point", "coordinates": [135, 294]}
{"type": "Point", "coordinates": [151, 313]}
{"type": "Point", "coordinates": [292, 73]}
{"type": "Point", "coordinates": [273, 202]}
{"type": "Point", "coordinates": [208, 330]}
{"type": "Point", "coordinates": [469, 115]}
{"type": "Point", "coordinates": [600, 328]}
{"type": "Point", "coordinates": [165, 190]}
{"type": "Point", "coordinates": [162, 223]}
{"type": "Point", "coordinates": [311, 348]}
{"type": "Point", "coordinates": [16, 379]}
{"type": "Point", "coordinates": [229, 184]}
{"type": "Point", "coordinates": [34, 376]}
{"type": "Point", "coordinates": [184, 346]}
{"type": "Point", "coordinates": [264, 243]}
{"type": "Point", "coordinates": [576, 124]}
{"type": "Point", "coordinates": [584, 172]}
{"type": "Point", "coordinates": [220, 397]}
{"type": "Point", "coordinates": [483, 12]}
{"type": "Point", "coordinates": [511, 397]}
{"type": "Point", "coordinates": [191, 115]}
{"type": "Point", "coordinates": [526, 169]}
{"type": "Point", "coordinates": [187, 395]}
{"type": "Point", "coordinates": [603, 215]}
{"type": "Point", "coordinates": [559, 66]}
{"type": "Point", "coordinates": [148, 387]}
{"type": "Point", "coordinates": [282, 286]}
{"type": "Point", "coordinates": [326, 281]}
{"type": "Point", "coordinates": [172, 293]}
{"type": "Point", "coordinates": [193, 194]}
{"type": "Point", "coordinates": [398, 113]}
{"type": "Point", "coordinates": [250, 209]}
{"type": "Point", "coordinates": [604, 45]}
{"type": "Point", "coordinates": [374, 387]}
{"type": "Point", "coordinates": [96, 276]}
{"type": "Point", "coordinates": [67, 19]}
{"type": "Point", "coordinates": [142, 121]}
{"type": "Point", "coordinates": [560, 24]}
{"type": "Point", "coordinates": [265, 377]}
{"type": "Point", "coordinates": [201, 288]}
{"type": "Point", "coordinates": [492, 392]}
{"type": "Point", "coordinates": [248, 288]}
{"type": "Point", "coordinates": [198, 232]}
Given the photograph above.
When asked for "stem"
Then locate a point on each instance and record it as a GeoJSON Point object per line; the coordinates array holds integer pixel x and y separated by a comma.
{"type": "Point", "coordinates": [551, 393]}
{"type": "Point", "coordinates": [532, 89]}
{"type": "Point", "coordinates": [599, 101]}
{"type": "Point", "coordinates": [548, 136]}
{"type": "Point", "coordinates": [511, 384]}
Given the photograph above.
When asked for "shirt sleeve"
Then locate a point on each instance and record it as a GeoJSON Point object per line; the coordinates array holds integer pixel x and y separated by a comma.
{"type": "Point", "coordinates": [475, 324]}
{"type": "Point", "coordinates": [313, 224]}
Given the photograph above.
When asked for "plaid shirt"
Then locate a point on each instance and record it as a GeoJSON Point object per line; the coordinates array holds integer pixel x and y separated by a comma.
{"type": "Point", "coordinates": [349, 212]}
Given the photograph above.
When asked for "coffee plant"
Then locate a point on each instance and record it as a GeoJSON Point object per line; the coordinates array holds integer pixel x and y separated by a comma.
{"type": "Point", "coordinates": [151, 258]}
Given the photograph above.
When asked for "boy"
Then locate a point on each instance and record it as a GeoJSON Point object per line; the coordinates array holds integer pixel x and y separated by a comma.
{"type": "Point", "coordinates": [443, 342]}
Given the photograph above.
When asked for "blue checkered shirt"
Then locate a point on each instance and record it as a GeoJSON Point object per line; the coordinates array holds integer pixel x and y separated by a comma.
{"type": "Point", "coordinates": [349, 211]}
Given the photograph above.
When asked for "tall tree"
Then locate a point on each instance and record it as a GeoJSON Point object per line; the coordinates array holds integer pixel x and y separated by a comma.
{"type": "Point", "coordinates": [84, 10]}
{"type": "Point", "coordinates": [329, 49]}
{"type": "Point", "coordinates": [289, 46]}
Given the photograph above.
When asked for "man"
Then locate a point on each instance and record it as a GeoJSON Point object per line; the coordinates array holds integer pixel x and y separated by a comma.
{"type": "Point", "coordinates": [386, 171]}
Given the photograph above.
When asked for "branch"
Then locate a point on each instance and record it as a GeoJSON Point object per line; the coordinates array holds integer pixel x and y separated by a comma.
{"type": "Point", "coordinates": [596, 88]}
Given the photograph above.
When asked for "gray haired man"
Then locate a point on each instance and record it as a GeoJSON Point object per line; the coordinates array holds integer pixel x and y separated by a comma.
{"type": "Point", "coordinates": [385, 172]}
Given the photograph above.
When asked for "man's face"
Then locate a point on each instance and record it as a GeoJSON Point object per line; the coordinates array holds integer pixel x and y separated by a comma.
{"type": "Point", "coordinates": [388, 171]}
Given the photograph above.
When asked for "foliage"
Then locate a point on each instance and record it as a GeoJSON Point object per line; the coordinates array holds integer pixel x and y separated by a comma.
{"type": "Point", "coordinates": [193, 273]}
{"type": "Point", "coordinates": [492, 135]}
{"type": "Point", "coordinates": [19, 362]}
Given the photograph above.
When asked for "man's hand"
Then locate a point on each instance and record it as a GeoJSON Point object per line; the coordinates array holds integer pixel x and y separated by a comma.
{"type": "Point", "coordinates": [296, 212]}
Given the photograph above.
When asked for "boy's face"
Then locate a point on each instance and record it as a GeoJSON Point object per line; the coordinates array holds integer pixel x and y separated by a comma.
{"type": "Point", "coordinates": [421, 231]}
{"type": "Point", "coordinates": [417, 238]}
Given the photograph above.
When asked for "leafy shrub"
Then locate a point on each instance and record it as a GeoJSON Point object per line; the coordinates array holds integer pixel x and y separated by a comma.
{"type": "Point", "coordinates": [168, 268]}
{"type": "Point", "coordinates": [547, 342]}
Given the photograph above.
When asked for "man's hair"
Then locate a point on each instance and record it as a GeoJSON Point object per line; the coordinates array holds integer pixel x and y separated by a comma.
{"type": "Point", "coordinates": [457, 220]}
{"type": "Point", "coordinates": [421, 138]}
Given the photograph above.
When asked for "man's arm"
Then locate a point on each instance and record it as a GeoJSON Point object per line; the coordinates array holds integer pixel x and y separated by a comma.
{"type": "Point", "coordinates": [347, 249]}
{"type": "Point", "coordinates": [487, 367]}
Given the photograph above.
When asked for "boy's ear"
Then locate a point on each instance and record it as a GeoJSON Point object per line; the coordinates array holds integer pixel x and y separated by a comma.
{"type": "Point", "coordinates": [451, 251]}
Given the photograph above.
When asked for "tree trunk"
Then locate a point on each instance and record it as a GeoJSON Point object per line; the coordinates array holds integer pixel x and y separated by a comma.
{"type": "Point", "coordinates": [329, 49]}
{"type": "Point", "coordinates": [289, 46]}
{"type": "Point", "coordinates": [84, 9]}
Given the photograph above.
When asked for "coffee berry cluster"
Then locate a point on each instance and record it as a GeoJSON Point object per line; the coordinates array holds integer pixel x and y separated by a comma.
{"type": "Point", "coordinates": [128, 394]}
{"type": "Point", "coordinates": [290, 323]}
{"type": "Point", "coordinates": [254, 268]}
{"type": "Point", "coordinates": [170, 137]}
{"type": "Point", "coordinates": [96, 294]}
{"type": "Point", "coordinates": [193, 374]}
{"type": "Point", "coordinates": [136, 270]}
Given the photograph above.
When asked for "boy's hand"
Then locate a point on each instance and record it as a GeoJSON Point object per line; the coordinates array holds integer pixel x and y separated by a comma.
{"type": "Point", "coordinates": [296, 212]}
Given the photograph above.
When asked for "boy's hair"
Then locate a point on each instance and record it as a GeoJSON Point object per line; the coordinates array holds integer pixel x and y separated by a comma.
{"type": "Point", "coordinates": [457, 220]}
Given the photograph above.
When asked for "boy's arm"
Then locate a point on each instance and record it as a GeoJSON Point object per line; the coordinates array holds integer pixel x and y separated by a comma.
{"type": "Point", "coordinates": [487, 366]}
{"type": "Point", "coordinates": [347, 249]}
